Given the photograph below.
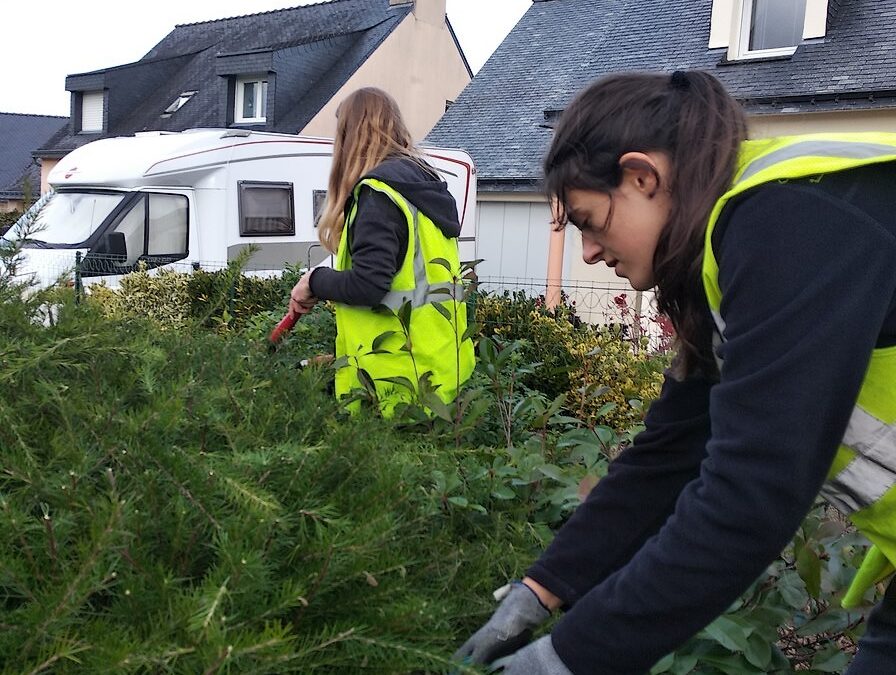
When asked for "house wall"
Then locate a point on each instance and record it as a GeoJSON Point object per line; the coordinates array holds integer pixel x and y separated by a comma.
{"type": "Point", "coordinates": [763, 126]}
{"type": "Point", "coordinates": [513, 229]}
{"type": "Point", "coordinates": [419, 64]}
{"type": "Point", "coordinates": [8, 205]}
{"type": "Point", "coordinates": [46, 165]}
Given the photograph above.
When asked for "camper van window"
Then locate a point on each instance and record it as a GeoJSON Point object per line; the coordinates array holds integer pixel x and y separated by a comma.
{"type": "Point", "coordinates": [318, 200]}
{"type": "Point", "coordinates": [167, 225]}
{"type": "Point", "coordinates": [266, 209]}
{"type": "Point", "coordinates": [71, 217]}
{"type": "Point", "coordinates": [133, 226]}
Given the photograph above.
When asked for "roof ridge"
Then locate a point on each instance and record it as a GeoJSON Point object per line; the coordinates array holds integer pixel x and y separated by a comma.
{"type": "Point", "coordinates": [270, 11]}
{"type": "Point", "coordinates": [61, 117]}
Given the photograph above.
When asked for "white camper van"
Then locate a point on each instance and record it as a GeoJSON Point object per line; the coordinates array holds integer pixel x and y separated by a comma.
{"type": "Point", "coordinates": [195, 199]}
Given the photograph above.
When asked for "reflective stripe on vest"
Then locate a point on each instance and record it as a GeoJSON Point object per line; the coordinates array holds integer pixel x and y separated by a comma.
{"type": "Point", "coordinates": [423, 292]}
{"type": "Point", "coordinates": [873, 471]}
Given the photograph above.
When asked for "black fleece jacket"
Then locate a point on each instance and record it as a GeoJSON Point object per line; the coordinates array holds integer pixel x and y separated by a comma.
{"type": "Point", "coordinates": [378, 238]}
{"type": "Point", "coordinates": [718, 483]}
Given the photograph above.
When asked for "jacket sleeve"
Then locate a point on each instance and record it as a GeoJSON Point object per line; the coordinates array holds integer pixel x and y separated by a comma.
{"type": "Point", "coordinates": [635, 498]}
{"type": "Point", "coordinates": [379, 240]}
{"type": "Point", "coordinates": [807, 280]}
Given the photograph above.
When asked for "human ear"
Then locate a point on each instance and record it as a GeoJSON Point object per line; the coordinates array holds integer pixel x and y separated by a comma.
{"type": "Point", "coordinates": [640, 171]}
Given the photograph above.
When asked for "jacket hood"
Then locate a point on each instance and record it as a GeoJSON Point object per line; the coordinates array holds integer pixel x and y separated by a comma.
{"type": "Point", "coordinates": [423, 189]}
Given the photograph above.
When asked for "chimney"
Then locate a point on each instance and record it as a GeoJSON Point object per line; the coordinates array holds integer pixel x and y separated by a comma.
{"type": "Point", "coordinates": [427, 11]}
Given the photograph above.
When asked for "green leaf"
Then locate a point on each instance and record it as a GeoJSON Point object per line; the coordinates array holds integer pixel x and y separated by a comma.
{"type": "Point", "coordinates": [831, 621]}
{"type": "Point", "coordinates": [808, 566]}
{"type": "Point", "coordinates": [792, 589]}
{"type": "Point", "coordinates": [399, 380]}
{"type": "Point", "coordinates": [552, 471]}
{"type": "Point", "coordinates": [441, 309]}
{"type": "Point", "coordinates": [459, 501]}
{"type": "Point", "coordinates": [381, 338]}
{"type": "Point", "coordinates": [759, 652]}
{"type": "Point", "coordinates": [404, 315]}
{"type": "Point", "coordinates": [663, 665]}
{"type": "Point", "coordinates": [728, 633]}
{"type": "Point", "coordinates": [441, 261]}
{"type": "Point", "coordinates": [503, 492]}
{"type": "Point", "coordinates": [472, 330]}
{"type": "Point", "coordinates": [831, 660]}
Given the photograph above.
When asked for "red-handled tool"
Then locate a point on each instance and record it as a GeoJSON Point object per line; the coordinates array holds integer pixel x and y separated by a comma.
{"type": "Point", "coordinates": [281, 329]}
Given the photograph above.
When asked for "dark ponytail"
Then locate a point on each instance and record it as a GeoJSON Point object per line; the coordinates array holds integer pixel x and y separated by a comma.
{"type": "Point", "coordinates": [689, 116]}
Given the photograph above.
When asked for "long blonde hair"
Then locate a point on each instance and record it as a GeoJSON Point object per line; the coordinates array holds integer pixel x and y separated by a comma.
{"type": "Point", "coordinates": [369, 129]}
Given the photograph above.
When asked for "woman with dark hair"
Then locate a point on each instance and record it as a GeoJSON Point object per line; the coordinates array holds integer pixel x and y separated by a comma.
{"type": "Point", "coordinates": [393, 226]}
{"type": "Point", "coordinates": [774, 259]}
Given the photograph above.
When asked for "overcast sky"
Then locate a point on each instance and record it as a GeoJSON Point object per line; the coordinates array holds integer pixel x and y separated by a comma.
{"type": "Point", "coordinates": [42, 42]}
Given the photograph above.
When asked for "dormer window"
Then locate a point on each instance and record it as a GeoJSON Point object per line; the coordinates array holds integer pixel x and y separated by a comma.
{"type": "Point", "coordinates": [178, 103]}
{"type": "Point", "coordinates": [771, 27]}
{"type": "Point", "coordinates": [756, 29]}
{"type": "Point", "coordinates": [92, 111]}
{"type": "Point", "coordinates": [251, 100]}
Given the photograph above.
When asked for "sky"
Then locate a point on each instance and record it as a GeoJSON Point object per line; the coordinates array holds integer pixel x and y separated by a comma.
{"type": "Point", "coordinates": [43, 43]}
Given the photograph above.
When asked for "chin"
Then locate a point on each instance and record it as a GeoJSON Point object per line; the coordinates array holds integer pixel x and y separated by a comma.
{"type": "Point", "coordinates": [641, 284]}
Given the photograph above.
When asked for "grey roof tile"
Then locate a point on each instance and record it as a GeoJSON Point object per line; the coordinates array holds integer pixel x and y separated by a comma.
{"type": "Point", "coordinates": [559, 46]}
{"type": "Point", "coordinates": [20, 135]}
{"type": "Point", "coordinates": [338, 35]}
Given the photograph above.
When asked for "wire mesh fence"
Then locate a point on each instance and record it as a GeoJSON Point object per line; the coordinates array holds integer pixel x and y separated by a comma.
{"type": "Point", "coordinates": [597, 303]}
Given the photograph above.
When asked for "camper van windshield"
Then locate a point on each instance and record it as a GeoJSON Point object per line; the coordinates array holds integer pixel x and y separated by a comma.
{"type": "Point", "coordinates": [67, 217]}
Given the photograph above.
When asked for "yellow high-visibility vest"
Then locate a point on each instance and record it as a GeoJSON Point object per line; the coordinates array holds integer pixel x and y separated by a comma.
{"type": "Point", "coordinates": [420, 326]}
{"type": "Point", "coordinates": [862, 480]}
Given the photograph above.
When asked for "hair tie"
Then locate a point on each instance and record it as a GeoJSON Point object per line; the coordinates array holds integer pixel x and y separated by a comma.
{"type": "Point", "coordinates": [679, 80]}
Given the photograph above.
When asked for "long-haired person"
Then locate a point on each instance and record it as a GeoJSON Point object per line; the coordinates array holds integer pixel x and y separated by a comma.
{"type": "Point", "coordinates": [776, 261]}
{"type": "Point", "coordinates": [388, 216]}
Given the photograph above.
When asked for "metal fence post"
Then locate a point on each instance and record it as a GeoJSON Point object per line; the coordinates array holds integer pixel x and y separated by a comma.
{"type": "Point", "coordinates": [79, 286]}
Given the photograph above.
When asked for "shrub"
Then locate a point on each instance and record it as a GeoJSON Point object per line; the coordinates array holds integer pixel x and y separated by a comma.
{"type": "Point", "coordinates": [594, 366]}
{"type": "Point", "coordinates": [162, 297]}
{"type": "Point", "coordinates": [182, 501]}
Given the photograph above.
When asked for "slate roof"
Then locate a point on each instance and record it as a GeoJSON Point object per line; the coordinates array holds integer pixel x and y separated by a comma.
{"type": "Point", "coordinates": [20, 135]}
{"type": "Point", "coordinates": [317, 46]}
{"type": "Point", "coordinates": [561, 45]}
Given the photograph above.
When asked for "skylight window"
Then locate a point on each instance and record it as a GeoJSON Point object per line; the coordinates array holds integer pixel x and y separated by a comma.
{"type": "Point", "coordinates": [179, 102]}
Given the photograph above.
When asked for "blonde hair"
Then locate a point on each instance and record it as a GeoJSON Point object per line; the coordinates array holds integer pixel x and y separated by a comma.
{"type": "Point", "coordinates": [369, 129]}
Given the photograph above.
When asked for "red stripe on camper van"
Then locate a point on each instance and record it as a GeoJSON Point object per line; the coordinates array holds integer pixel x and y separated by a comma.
{"type": "Point", "coordinates": [466, 165]}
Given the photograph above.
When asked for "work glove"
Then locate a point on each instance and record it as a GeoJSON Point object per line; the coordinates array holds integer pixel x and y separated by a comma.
{"type": "Point", "coordinates": [539, 658]}
{"type": "Point", "coordinates": [509, 628]}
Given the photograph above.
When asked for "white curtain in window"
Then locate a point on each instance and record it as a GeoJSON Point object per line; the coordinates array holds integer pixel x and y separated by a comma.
{"type": "Point", "coordinates": [167, 225]}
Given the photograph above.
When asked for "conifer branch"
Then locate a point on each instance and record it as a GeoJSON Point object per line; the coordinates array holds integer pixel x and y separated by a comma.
{"type": "Point", "coordinates": [86, 568]}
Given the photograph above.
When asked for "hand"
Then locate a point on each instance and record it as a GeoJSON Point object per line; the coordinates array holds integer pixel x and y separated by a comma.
{"type": "Point", "coordinates": [509, 628]}
{"type": "Point", "coordinates": [539, 658]}
{"type": "Point", "coordinates": [301, 300]}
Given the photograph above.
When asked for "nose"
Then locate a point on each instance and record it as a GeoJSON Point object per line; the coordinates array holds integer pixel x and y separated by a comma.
{"type": "Point", "coordinates": [591, 251]}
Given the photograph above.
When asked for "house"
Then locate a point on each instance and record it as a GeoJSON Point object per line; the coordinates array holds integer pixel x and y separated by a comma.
{"type": "Point", "coordinates": [21, 135]}
{"type": "Point", "coordinates": [283, 71]}
{"type": "Point", "coordinates": [796, 66]}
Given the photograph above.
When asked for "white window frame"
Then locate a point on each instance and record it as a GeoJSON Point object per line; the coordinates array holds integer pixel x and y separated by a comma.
{"type": "Point", "coordinates": [179, 102]}
{"type": "Point", "coordinates": [261, 94]}
{"type": "Point", "coordinates": [730, 27]}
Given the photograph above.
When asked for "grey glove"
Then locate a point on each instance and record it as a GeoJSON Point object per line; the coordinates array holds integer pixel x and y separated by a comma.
{"type": "Point", "coordinates": [509, 628]}
{"type": "Point", "coordinates": [539, 658]}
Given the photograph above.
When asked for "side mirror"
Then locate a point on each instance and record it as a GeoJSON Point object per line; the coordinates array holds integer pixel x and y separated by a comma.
{"type": "Point", "coordinates": [104, 258]}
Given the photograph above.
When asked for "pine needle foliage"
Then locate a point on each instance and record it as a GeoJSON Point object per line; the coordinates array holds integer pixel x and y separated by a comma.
{"type": "Point", "coordinates": [180, 501]}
